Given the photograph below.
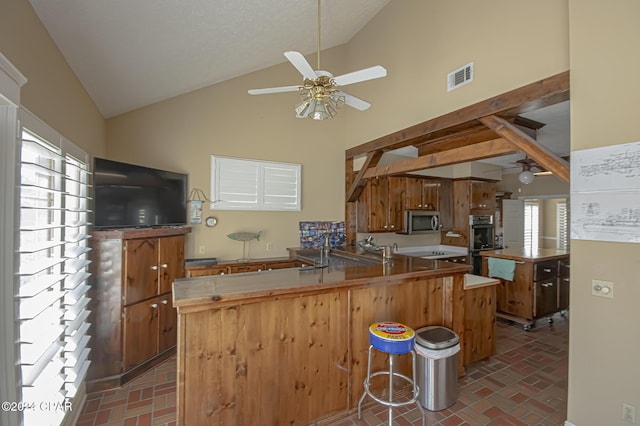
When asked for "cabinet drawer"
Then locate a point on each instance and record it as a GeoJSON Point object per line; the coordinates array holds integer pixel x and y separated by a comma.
{"type": "Point", "coordinates": [253, 267]}
{"type": "Point", "coordinates": [283, 264]}
{"type": "Point", "coordinates": [545, 270]}
{"type": "Point", "coordinates": [210, 270]}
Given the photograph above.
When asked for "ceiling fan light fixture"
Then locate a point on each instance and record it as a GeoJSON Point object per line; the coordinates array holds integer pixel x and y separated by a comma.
{"type": "Point", "coordinates": [319, 92]}
{"type": "Point", "coordinates": [526, 177]}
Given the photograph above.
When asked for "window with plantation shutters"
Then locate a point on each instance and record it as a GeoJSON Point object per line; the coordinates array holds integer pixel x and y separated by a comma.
{"type": "Point", "coordinates": [241, 184]}
{"type": "Point", "coordinates": [52, 276]}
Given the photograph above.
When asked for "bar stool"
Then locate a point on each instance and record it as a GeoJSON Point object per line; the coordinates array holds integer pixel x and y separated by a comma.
{"type": "Point", "coordinates": [394, 339]}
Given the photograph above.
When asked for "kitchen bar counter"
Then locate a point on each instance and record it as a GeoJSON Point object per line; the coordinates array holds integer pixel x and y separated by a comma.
{"type": "Point", "coordinates": [290, 346]}
{"type": "Point", "coordinates": [218, 291]}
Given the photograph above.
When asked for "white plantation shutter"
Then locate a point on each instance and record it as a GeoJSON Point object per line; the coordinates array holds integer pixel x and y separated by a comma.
{"type": "Point", "coordinates": [562, 226]}
{"type": "Point", "coordinates": [53, 272]}
{"type": "Point", "coordinates": [241, 184]}
{"type": "Point", "coordinates": [531, 225]}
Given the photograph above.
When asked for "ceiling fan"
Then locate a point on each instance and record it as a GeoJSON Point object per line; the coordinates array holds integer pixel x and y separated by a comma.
{"type": "Point", "coordinates": [320, 91]}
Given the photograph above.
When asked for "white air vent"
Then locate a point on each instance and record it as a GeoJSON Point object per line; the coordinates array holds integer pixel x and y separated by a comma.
{"type": "Point", "coordinates": [460, 77]}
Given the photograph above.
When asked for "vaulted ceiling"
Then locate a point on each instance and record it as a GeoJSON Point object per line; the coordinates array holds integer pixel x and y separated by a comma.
{"type": "Point", "coordinates": [129, 54]}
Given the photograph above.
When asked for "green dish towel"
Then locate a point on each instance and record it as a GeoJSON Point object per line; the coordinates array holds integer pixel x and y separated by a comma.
{"type": "Point", "coordinates": [501, 268]}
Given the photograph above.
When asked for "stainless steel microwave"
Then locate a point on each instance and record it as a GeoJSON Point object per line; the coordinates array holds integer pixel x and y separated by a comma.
{"type": "Point", "coordinates": [421, 221]}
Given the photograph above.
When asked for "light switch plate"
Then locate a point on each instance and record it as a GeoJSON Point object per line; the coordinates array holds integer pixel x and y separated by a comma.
{"type": "Point", "coordinates": [602, 288]}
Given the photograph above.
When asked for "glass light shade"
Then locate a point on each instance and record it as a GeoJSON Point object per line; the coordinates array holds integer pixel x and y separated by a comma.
{"type": "Point", "coordinates": [525, 177]}
{"type": "Point", "coordinates": [301, 109]}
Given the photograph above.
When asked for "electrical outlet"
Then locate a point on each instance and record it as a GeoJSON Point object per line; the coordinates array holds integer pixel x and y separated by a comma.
{"type": "Point", "coordinates": [201, 249]}
{"type": "Point", "coordinates": [628, 413]}
{"type": "Point", "coordinates": [602, 288]}
{"type": "Point", "coordinates": [269, 246]}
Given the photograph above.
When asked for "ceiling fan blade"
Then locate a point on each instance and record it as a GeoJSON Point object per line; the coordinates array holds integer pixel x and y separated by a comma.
{"type": "Point", "coordinates": [362, 75]}
{"type": "Point", "coordinates": [298, 60]}
{"type": "Point", "coordinates": [273, 90]}
{"type": "Point", "coordinates": [354, 102]}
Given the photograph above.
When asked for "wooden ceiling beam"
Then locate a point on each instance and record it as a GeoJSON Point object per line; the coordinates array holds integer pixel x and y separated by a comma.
{"type": "Point", "coordinates": [359, 182]}
{"type": "Point", "coordinates": [478, 151]}
{"type": "Point", "coordinates": [473, 136]}
{"type": "Point", "coordinates": [549, 91]}
{"type": "Point", "coordinates": [528, 145]}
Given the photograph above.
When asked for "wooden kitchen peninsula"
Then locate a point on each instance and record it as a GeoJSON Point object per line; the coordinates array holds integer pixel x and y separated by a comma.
{"type": "Point", "coordinates": [289, 346]}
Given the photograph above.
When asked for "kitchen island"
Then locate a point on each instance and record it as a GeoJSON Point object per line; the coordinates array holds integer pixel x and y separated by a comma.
{"type": "Point", "coordinates": [538, 288]}
{"type": "Point", "coordinates": [289, 346]}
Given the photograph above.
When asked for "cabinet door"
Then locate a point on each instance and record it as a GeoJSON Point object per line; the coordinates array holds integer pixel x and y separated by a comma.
{"type": "Point", "coordinates": [445, 204]}
{"type": "Point", "coordinates": [431, 194]}
{"type": "Point", "coordinates": [546, 297]}
{"type": "Point", "coordinates": [171, 261]}
{"type": "Point", "coordinates": [397, 194]}
{"type": "Point", "coordinates": [167, 324]}
{"type": "Point", "coordinates": [140, 269]}
{"type": "Point", "coordinates": [413, 199]}
{"type": "Point", "coordinates": [483, 197]}
{"type": "Point", "coordinates": [378, 208]}
{"type": "Point", "coordinates": [140, 332]}
{"type": "Point", "coordinates": [518, 294]}
{"type": "Point", "coordinates": [563, 284]}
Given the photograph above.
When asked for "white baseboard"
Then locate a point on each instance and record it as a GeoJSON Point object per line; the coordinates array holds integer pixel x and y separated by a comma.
{"type": "Point", "coordinates": [568, 423]}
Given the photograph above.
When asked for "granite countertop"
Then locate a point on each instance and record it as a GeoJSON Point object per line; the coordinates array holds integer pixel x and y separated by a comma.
{"type": "Point", "coordinates": [238, 288]}
{"type": "Point", "coordinates": [525, 255]}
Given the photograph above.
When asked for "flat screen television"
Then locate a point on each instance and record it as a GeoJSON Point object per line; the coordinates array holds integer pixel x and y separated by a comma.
{"type": "Point", "coordinates": [127, 195]}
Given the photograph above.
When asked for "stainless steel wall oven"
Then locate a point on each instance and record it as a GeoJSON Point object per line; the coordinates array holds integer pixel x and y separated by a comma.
{"type": "Point", "coordinates": [481, 237]}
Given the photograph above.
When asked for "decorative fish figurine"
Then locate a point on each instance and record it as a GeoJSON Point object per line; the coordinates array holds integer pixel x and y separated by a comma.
{"type": "Point", "coordinates": [244, 236]}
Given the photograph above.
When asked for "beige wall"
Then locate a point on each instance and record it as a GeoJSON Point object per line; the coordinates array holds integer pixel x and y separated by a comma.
{"type": "Point", "coordinates": [604, 341]}
{"type": "Point", "coordinates": [182, 133]}
{"type": "Point", "coordinates": [53, 93]}
{"type": "Point", "coordinates": [420, 42]}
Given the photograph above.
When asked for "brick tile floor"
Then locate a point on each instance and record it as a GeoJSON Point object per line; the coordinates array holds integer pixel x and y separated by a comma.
{"type": "Point", "coordinates": [524, 383]}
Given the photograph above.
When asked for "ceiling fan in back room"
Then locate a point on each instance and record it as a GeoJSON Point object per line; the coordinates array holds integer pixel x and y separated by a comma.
{"type": "Point", "coordinates": [320, 91]}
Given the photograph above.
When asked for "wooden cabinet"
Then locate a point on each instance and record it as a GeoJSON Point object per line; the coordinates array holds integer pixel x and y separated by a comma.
{"type": "Point", "coordinates": [537, 290]}
{"type": "Point", "coordinates": [422, 194]}
{"type": "Point", "coordinates": [132, 314]}
{"type": "Point", "coordinates": [470, 197]}
{"type": "Point", "coordinates": [479, 323]}
{"type": "Point", "coordinates": [383, 202]}
{"type": "Point", "coordinates": [483, 197]}
{"type": "Point", "coordinates": [382, 205]}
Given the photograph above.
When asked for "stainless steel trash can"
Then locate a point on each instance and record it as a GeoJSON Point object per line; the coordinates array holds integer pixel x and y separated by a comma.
{"type": "Point", "coordinates": [437, 348]}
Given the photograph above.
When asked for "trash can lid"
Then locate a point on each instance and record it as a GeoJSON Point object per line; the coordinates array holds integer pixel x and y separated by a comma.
{"type": "Point", "coordinates": [436, 337]}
